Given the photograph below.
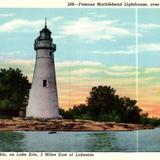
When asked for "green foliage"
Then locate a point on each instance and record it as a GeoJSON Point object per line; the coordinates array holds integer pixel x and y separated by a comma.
{"type": "Point", "coordinates": [154, 121]}
{"type": "Point", "coordinates": [112, 116]}
{"type": "Point", "coordinates": [77, 112]}
{"type": "Point", "coordinates": [104, 105]}
{"type": "Point", "coordinates": [146, 120]}
{"type": "Point", "coordinates": [129, 111]}
{"type": "Point", "coordinates": [101, 101]}
{"type": "Point", "coordinates": [66, 114]}
{"type": "Point", "coordinates": [5, 117]}
{"type": "Point", "coordinates": [14, 91]}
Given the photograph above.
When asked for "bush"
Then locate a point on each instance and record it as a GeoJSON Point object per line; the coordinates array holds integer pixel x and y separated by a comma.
{"type": "Point", "coordinates": [14, 91]}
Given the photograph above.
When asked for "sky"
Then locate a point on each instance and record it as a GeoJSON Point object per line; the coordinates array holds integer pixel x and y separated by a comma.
{"type": "Point", "coordinates": [94, 47]}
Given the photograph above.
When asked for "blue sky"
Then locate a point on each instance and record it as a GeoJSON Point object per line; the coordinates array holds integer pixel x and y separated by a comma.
{"type": "Point", "coordinates": [67, 44]}
{"type": "Point", "coordinates": [94, 47]}
{"type": "Point", "coordinates": [149, 27]}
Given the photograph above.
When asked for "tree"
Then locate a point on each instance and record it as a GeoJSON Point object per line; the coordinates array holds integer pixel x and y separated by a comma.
{"type": "Point", "coordinates": [102, 100]}
{"type": "Point", "coordinates": [105, 105]}
{"type": "Point", "coordinates": [144, 118]}
{"type": "Point", "coordinates": [129, 110]}
{"type": "Point", "coordinates": [14, 91]}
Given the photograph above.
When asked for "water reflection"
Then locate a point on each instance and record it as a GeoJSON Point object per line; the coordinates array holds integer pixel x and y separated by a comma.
{"type": "Point", "coordinates": [147, 140]}
{"type": "Point", "coordinates": [70, 141]}
{"type": "Point", "coordinates": [100, 141]}
{"type": "Point", "coordinates": [11, 141]}
{"type": "Point", "coordinates": [61, 141]}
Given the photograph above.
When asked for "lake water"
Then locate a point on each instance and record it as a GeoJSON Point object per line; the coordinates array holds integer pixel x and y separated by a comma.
{"type": "Point", "coordinates": [117, 141]}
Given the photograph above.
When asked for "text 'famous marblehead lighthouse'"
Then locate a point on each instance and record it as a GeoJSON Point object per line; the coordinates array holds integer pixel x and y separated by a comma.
{"type": "Point", "coordinates": [43, 98]}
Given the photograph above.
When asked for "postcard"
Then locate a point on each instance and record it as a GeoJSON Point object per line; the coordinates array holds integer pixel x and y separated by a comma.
{"type": "Point", "coordinates": [79, 79]}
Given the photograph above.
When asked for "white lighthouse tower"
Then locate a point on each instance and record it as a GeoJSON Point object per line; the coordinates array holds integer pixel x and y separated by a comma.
{"type": "Point", "coordinates": [43, 98]}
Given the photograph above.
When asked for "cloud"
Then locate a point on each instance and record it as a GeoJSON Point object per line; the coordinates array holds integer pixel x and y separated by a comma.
{"type": "Point", "coordinates": [55, 19]}
{"type": "Point", "coordinates": [6, 15]}
{"type": "Point", "coordinates": [113, 52]}
{"type": "Point", "coordinates": [82, 72]}
{"type": "Point", "coordinates": [121, 71]}
{"type": "Point", "coordinates": [26, 66]}
{"type": "Point", "coordinates": [7, 55]}
{"type": "Point", "coordinates": [120, 74]}
{"type": "Point", "coordinates": [92, 30]}
{"type": "Point", "coordinates": [152, 70]}
{"type": "Point", "coordinates": [148, 47]}
{"type": "Point", "coordinates": [151, 47]}
{"type": "Point", "coordinates": [149, 26]}
{"type": "Point", "coordinates": [89, 69]}
{"type": "Point", "coordinates": [147, 81]}
{"type": "Point", "coordinates": [93, 69]}
{"type": "Point", "coordinates": [20, 61]}
{"type": "Point", "coordinates": [94, 14]}
{"type": "Point", "coordinates": [19, 25]}
{"type": "Point", "coordinates": [12, 55]}
{"type": "Point", "coordinates": [86, 70]}
{"type": "Point", "coordinates": [123, 68]}
{"type": "Point", "coordinates": [77, 63]}
{"type": "Point", "coordinates": [142, 48]}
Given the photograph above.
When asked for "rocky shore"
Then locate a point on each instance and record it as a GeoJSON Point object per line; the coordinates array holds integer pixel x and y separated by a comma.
{"type": "Point", "coordinates": [19, 124]}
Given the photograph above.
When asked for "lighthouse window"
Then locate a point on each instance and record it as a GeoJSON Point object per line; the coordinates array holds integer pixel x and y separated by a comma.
{"type": "Point", "coordinates": [44, 83]}
{"type": "Point", "coordinates": [50, 53]}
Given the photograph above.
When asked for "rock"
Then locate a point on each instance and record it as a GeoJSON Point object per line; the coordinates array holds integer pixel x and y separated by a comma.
{"type": "Point", "coordinates": [63, 125]}
{"type": "Point", "coordinates": [52, 132]}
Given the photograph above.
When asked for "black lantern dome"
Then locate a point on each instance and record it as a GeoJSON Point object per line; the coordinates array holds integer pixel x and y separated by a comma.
{"type": "Point", "coordinates": [45, 33]}
{"type": "Point", "coordinates": [44, 40]}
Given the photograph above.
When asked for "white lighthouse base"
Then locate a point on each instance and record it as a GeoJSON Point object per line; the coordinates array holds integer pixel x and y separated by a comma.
{"type": "Point", "coordinates": [43, 102]}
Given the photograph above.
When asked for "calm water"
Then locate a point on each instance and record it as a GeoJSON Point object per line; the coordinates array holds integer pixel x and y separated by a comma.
{"type": "Point", "coordinates": [142, 140]}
